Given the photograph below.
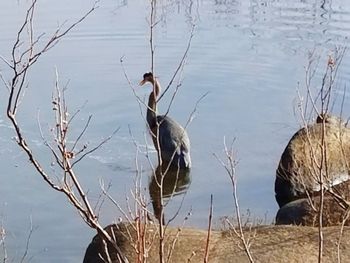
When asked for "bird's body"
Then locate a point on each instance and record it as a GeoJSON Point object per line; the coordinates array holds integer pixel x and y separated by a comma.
{"type": "Point", "coordinates": [173, 141]}
{"type": "Point", "coordinates": [169, 138]}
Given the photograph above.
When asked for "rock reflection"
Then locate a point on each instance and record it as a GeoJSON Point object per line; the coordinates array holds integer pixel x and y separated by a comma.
{"type": "Point", "coordinates": [166, 184]}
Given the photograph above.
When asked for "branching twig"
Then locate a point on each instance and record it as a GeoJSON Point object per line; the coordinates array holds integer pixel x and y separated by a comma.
{"type": "Point", "coordinates": [20, 64]}
{"type": "Point", "coordinates": [180, 64]}
{"type": "Point", "coordinates": [31, 230]}
{"type": "Point", "coordinates": [319, 168]}
{"type": "Point", "coordinates": [230, 167]}
{"type": "Point", "coordinates": [206, 256]}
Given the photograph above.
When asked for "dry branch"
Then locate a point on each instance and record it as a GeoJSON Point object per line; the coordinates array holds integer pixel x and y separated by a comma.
{"type": "Point", "coordinates": [21, 64]}
{"type": "Point", "coordinates": [230, 167]}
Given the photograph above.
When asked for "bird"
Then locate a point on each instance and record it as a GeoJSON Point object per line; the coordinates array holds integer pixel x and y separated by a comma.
{"type": "Point", "coordinates": [169, 138]}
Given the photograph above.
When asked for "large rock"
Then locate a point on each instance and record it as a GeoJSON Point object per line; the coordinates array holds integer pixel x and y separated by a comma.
{"type": "Point", "coordinates": [269, 244]}
{"type": "Point", "coordinates": [306, 157]}
{"type": "Point", "coordinates": [301, 212]}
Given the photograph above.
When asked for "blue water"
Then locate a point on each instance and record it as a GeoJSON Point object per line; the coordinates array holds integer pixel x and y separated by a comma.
{"type": "Point", "coordinates": [250, 56]}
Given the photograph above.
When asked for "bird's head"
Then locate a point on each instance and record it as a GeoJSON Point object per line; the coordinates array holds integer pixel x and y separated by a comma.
{"type": "Point", "coordinates": [147, 77]}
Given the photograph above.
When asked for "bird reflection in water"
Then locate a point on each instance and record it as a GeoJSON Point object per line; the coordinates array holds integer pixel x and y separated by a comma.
{"type": "Point", "coordinates": [166, 184]}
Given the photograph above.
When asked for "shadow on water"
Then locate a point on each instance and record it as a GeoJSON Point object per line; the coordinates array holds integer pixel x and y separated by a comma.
{"type": "Point", "coordinates": [165, 185]}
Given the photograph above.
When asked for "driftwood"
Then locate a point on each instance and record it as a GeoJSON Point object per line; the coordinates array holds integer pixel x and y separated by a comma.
{"type": "Point", "coordinates": [270, 244]}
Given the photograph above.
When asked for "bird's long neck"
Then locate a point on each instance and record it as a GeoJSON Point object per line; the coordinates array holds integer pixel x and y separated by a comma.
{"type": "Point", "coordinates": [152, 104]}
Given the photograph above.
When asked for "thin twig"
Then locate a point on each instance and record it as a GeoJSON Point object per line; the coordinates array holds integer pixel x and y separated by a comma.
{"type": "Point", "coordinates": [230, 168]}
{"type": "Point", "coordinates": [31, 230]}
{"type": "Point", "coordinates": [96, 147]}
{"type": "Point", "coordinates": [20, 66]}
{"type": "Point", "coordinates": [206, 256]}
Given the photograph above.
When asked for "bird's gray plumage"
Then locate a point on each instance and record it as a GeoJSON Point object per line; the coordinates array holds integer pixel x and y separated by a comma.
{"type": "Point", "coordinates": [174, 144]}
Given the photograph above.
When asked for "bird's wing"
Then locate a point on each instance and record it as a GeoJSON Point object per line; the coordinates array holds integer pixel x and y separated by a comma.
{"type": "Point", "coordinates": [172, 137]}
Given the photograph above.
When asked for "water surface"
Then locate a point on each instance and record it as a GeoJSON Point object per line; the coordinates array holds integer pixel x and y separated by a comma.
{"type": "Point", "coordinates": [250, 57]}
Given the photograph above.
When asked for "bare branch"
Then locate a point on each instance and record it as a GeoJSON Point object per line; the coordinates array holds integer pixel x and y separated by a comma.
{"type": "Point", "coordinates": [82, 132]}
{"type": "Point", "coordinates": [31, 230]}
{"type": "Point", "coordinates": [96, 147]}
{"type": "Point", "coordinates": [230, 168]}
{"type": "Point", "coordinates": [20, 66]}
{"type": "Point", "coordinates": [206, 257]}
{"type": "Point", "coordinates": [180, 64]}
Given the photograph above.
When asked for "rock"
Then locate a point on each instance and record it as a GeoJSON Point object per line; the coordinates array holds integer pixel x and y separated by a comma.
{"type": "Point", "coordinates": [330, 119]}
{"type": "Point", "coordinates": [298, 171]}
{"type": "Point", "coordinates": [268, 244]}
{"type": "Point", "coordinates": [300, 212]}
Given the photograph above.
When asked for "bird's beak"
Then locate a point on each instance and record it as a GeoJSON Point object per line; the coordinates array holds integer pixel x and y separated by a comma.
{"type": "Point", "coordinates": [142, 82]}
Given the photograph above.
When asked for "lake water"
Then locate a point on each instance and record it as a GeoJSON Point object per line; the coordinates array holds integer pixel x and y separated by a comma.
{"type": "Point", "coordinates": [250, 57]}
